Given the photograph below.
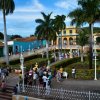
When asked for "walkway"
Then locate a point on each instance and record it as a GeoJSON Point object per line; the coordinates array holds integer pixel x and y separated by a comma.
{"type": "Point", "coordinates": [26, 54]}
{"type": "Point", "coordinates": [70, 84]}
{"type": "Point", "coordinates": [78, 85]}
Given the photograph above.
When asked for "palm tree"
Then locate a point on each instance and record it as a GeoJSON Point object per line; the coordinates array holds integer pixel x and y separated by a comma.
{"type": "Point", "coordinates": [88, 12]}
{"type": "Point", "coordinates": [45, 29]}
{"type": "Point", "coordinates": [59, 25]}
{"type": "Point", "coordinates": [82, 40]}
{"type": "Point", "coordinates": [7, 6]}
{"type": "Point", "coordinates": [98, 40]}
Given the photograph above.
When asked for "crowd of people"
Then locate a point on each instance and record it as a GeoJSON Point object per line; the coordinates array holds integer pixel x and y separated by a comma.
{"type": "Point", "coordinates": [37, 76]}
{"type": "Point", "coordinates": [4, 72]}
{"type": "Point", "coordinates": [43, 75]}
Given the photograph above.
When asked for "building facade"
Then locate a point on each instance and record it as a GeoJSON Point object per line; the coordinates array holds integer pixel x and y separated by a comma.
{"type": "Point", "coordinates": [67, 38]}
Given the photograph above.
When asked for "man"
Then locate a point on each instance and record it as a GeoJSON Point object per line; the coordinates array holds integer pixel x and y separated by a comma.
{"type": "Point", "coordinates": [73, 72]}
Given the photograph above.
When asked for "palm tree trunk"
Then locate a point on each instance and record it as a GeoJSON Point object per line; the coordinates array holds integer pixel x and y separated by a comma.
{"type": "Point", "coordinates": [82, 55]}
{"type": "Point", "coordinates": [61, 42]}
{"type": "Point", "coordinates": [91, 48]}
{"type": "Point", "coordinates": [5, 38]}
{"type": "Point", "coordinates": [47, 45]}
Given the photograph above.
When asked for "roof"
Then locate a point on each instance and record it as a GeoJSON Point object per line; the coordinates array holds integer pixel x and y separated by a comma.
{"type": "Point", "coordinates": [1, 44]}
{"type": "Point", "coordinates": [96, 34]}
{"type": "Point", "coordinates": [27, 39]}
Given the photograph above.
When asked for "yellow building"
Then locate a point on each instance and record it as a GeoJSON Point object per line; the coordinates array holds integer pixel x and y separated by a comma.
{"type": "Point", "coordinates": [67, 38]}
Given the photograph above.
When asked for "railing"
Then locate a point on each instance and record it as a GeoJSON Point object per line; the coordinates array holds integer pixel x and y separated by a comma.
{"type": "Point", "coordinates": [25, 54]}
{"type": "Point", "coordinates": [58, 94]}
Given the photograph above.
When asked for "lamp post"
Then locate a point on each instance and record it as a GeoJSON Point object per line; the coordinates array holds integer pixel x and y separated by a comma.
{"type": "Point", "coordinates": [70, 51]}
{"type": "Point", "coordinates": [22, 68]}
{"type": "Point", "coordinates": [29, 50]}
{"type": "Point", "coordinates": [95, 53]}
{"type": "Point", "coordinates": [78, 50]}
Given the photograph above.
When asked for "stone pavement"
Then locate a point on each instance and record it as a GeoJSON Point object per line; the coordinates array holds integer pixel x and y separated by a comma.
{"type": "Point", "coordinates": [78, 85]}
{"type": "Point", "coordinates": [70, 84]}
{"type": "Point", "coordinates": [12, 79]}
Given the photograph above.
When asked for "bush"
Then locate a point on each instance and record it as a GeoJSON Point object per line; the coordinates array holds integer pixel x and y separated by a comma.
{"type": "Point", "coordinates": [66, 62]}
{"type": "Point", "coordinates": [84, 74]}
{"type": "Point", "coordinates": [87, 74]}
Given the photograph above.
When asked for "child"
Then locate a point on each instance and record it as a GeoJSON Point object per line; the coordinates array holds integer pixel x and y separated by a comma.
{"type": "Point", "coordinates": [3, 86]}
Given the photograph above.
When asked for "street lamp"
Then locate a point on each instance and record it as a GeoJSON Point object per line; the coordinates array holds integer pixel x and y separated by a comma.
{"type": "Point", "coordinates": [22, 68]}
{"type": "Point", "coordinates": [29, 50]}
{"type": "Point", "coordinates": [95, 54]}
{"type": "Point", "coordinates": [78, 51]}
{"type": "Point", "coordinates": [71, 52]}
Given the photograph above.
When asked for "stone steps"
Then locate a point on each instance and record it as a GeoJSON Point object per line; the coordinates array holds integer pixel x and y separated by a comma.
{"type": "Point", "coordinates": [7, 95]}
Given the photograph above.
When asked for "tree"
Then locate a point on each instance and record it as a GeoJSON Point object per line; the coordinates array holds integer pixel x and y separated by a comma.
{"type": "Point", "coordinates": [59, 25]}
{"type": "Point", "coordinates": [7, 6]}
{"type": "Point", "coordinates": [98, 40]}
{"type": "Point", "coordinates": [82, 40]}
{"type": "Point", "coordinates": [15, 36]}
{"type": "Point", "coordinates": [1, 36]}
{"type": "Point", "coordinates": [87, 12]}
{"type": "Point", "coordinates": [45, 29]}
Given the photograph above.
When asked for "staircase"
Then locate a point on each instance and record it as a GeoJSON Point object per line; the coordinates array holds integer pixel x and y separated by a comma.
{"type": "Point", "coordinates": [7, 95]}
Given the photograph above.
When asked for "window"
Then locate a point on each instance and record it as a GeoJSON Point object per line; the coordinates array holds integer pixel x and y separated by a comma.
{"type": "Point", "coordinates": [64, 31]}
{"type": "Point", "coordinates": [70, 31]}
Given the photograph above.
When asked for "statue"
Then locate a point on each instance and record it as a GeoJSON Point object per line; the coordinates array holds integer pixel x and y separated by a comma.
{"type": "Point", "coordinates": [36, 67]}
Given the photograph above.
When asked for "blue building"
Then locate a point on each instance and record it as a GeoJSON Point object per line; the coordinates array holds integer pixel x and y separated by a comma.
{"type": "Point", "coordinates": [25, 44]}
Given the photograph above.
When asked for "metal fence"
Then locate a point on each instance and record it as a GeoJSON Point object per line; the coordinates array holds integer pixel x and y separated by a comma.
{"type": "Point", "coordinates": [57, 94]}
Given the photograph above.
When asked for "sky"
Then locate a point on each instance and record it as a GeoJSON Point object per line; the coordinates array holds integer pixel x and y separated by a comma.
{"type": "Point", "coordinates": [22, 21]}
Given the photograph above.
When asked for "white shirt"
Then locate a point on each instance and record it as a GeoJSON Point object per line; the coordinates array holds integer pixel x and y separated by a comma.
{"type": "Point", "coordinates": [73, 70]}
{"type": "Point", "coordinates": [34, 76]}
{"type": "Point", "coordinates": [44, 78]}
{"type": "Point", "coordinates": [0, 70]}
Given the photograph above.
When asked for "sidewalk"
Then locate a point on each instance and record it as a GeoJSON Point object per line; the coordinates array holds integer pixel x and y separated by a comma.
{"type": "Point", "coordinates": [78, 85]}
{"type": "Point", "coordinates": [12, 79]}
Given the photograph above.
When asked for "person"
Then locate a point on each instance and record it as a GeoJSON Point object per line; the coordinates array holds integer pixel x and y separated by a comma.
{"type": "Point", "coordinates": [61, 71]}
{"type": "Point", "coordinates": [15, 89]}
{"type": "Point", "coordinates": [35, 76]}
{"type": "Point", "coordinates": [47, 87]}
{"type": "Point", "coordinates": [58, 76]}
{"type": "Point", "coordinates": [0, 72]}
{"type": "Point", "coordinates": [44, 80]}
{"type": "Point", "coordinates": [65, 74]}
{"type": "Point", "coordinates": [73, 72]}
{"type": "Point", "coordinates": [3, 86]}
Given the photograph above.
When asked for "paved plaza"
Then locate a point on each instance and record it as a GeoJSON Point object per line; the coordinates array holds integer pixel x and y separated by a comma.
{"type": "Point", "coordinates": [70, 84]}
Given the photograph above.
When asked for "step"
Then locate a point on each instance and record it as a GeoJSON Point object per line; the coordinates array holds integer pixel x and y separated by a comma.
{"type": "Point", "coordinates": [5, 93]}
{"type": "Point", "coordinates": [6, 97]}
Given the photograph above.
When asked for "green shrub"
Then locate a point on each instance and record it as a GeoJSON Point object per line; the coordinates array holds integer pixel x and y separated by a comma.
{"type": "Point", "coordinates": [83, 74]}
{"type": "Point", "coordinates": [66, 62]}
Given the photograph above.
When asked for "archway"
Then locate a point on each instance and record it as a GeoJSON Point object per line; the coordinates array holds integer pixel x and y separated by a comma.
{"type": "Point", "coordinates": [70, 41]}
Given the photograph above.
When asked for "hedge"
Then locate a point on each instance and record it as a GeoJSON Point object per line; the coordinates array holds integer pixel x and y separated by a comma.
{"type": "Point", "coordinates": [84, 74]}
{"type": "Point", "coordinates": [66, 62]}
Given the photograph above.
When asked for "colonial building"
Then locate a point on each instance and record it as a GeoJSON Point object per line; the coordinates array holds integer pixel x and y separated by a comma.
{"type": "Point", "coordinates": [67, 38]}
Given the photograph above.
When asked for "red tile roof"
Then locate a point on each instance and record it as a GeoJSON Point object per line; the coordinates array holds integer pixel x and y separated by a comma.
{"type": "Point", "coordinates": [28, 39]}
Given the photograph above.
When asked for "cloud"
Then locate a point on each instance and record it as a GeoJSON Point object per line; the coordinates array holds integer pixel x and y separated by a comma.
{"type": "Point", "coordinates": [66, 4]}
{"type": "Point", "coordinates": [62, 4]}
{"type": "Point", "coordinates": [38, 5]}
{"type": "Point", "coordinates": [35, 6]}
{"type": "Point", "coordinates": [23, 17]}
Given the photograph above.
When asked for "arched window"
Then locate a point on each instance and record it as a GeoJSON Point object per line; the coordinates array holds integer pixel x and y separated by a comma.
{"type": "Point", "coordinates": [65, 41]}
{"type": "Point", "coordinates": [70, 41]}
